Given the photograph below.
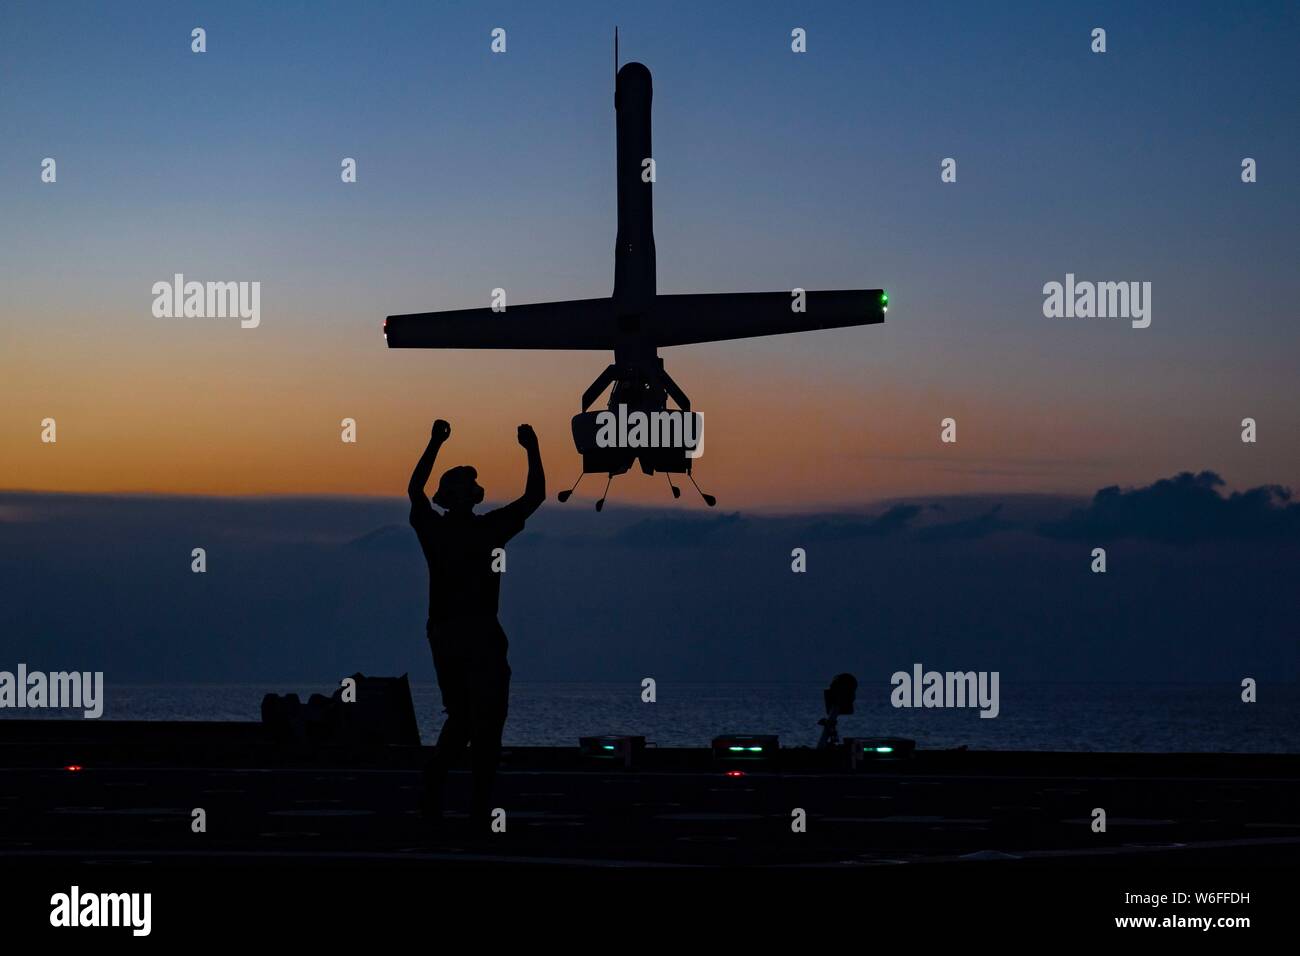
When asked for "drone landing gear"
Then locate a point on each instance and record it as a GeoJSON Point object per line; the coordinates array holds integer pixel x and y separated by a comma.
{"type": "Point", "coordinates": [567, 493]}
{"type": "Point", "coordinates": [708, 499]}
{"type": "Point", "coordinates": [604, 494]}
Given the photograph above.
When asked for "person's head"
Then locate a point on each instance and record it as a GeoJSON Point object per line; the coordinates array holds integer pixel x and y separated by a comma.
{"type": "Point", "coordinates": [458, 489]}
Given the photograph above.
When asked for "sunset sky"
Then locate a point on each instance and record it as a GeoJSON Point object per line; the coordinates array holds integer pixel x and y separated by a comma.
{"type": "Point", "coordinates": [774, 170]}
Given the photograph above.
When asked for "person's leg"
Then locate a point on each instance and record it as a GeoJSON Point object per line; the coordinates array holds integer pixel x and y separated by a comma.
{"type": "Point", "coordinates": [454, 684]}
{"type": "Point", "coordinates": [491, 704]}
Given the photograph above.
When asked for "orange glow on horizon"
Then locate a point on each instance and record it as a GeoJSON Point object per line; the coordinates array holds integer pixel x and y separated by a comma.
{"type": "Point", "coordinates": [223, 412]}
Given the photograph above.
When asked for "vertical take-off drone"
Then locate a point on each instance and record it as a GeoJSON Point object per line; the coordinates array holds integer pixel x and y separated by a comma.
{"type": "Point", "coordinates": [635, 322]}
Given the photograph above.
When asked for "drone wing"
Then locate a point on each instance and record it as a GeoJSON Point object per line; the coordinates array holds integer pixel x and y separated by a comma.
{"type": "Point", "coordinates": [676, 320]}
{"type": "Point", "coordinates": [579, 324]}
{"type": "Point", "coordinates": [689, 319]}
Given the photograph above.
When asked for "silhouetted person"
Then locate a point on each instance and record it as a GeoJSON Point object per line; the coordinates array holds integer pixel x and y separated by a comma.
{"type": "Point", "coordinates": [468, 644]}
{"type": "Point", "coordinates": [839, 699]}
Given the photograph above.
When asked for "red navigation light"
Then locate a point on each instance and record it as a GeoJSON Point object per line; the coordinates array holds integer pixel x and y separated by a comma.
{"type": "Point", "coordinates": [74, 767]}
{"type": "Point", "coordinates": [735, 773]}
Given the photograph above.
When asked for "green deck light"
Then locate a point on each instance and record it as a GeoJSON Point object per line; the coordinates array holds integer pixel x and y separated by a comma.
{"type": "Point", "coordinates": [866, 751]}
{"type": "Point", "coordinates": [611, 748]}
{"type": "Point", "coordinates": [752, 749]}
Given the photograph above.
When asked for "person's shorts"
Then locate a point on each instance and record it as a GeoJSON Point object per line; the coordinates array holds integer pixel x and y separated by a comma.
{"type": "Point", "coordinates": [473, 675]}
{"type": "Point", "coordinates": [468, 638]}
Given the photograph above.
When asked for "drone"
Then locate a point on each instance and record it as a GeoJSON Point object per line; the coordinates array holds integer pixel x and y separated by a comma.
{"type": "Point", "coordinates": [636, 321]}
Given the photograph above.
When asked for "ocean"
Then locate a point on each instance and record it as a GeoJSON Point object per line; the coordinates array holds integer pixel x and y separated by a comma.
{"type": "Point", "coordinates": [1130, 717]}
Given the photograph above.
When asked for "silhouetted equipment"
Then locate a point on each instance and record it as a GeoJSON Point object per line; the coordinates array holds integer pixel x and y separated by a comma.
{"type": "Point", "coordinates": [636, 321]}
{"type": "Point", "coordinates": [740, 750]}
{"type": "Point", "coordinates": [865, 751]}
{"type": "Point", "coordinates": [381, 714]}
{"type": "Point", "coordinates": [838, 699]}
{"type": "Point", "coordinates": [615, 748]}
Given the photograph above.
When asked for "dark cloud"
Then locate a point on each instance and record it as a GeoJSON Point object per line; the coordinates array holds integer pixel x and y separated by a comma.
{"type": "Point", "coordinates": [968, 529]}
{"type": "Point", "coordinates": [680, 532]}
{"type": "Point", "coordinates": [897, 519]}
{"type": "Point", "coordinates": [390, 537]}
{"type": "Point", "coordinates": [1184, 510]}
{"type": "Point", "coordinates": [316, 589]}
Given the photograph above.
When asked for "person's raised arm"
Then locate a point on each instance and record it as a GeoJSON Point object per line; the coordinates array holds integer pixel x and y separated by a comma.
{"type": "Point", "coordinates": [424, 467]}
{"type": "Point", "coordinates": [535, 489]}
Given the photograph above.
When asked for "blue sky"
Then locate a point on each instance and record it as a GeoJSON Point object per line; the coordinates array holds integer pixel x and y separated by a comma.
{"type": "Point", "coordinates": [774, 170]}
